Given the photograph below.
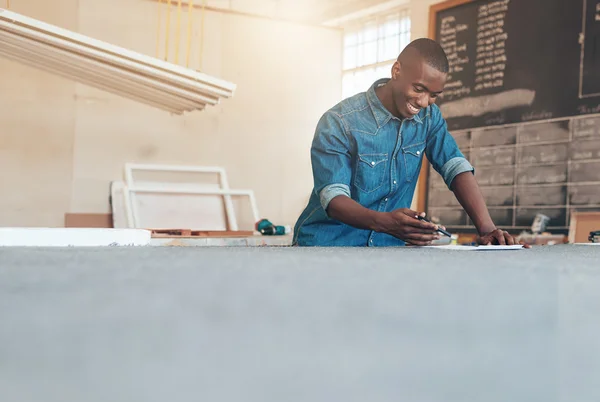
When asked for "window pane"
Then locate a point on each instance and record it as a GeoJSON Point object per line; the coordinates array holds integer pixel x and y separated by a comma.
{"type": "Point", "coordinates": [379, 40]}
{"type": "Point", "coordinates": [389, 48]}
{"type": "Point", "coordinates": [362, 79]}
{"type": "Point", "coordinates": [384, 71]}
{"type": "Point", "coordinates": [370, 33]}
{"type": "Point", "coordinates": [368, 78]}
{"type": "Point", "coordinates": [369, 55]}
{"type": "Point", "coordinates": [405, 25]}
{"type": "Point", "coordinates": [350, 57]}
{"type": "Point", "coordinates": [391, 28]}
{"type": "Point", "coordinates": [350, 39]}
{"type": "Point", "coordinates": [348, 85]}
{"type": "Point", "coordinates": [404, 40]}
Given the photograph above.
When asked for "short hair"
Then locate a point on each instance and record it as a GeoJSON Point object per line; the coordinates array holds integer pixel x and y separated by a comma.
{"type": "Point", "coordinates": [432, 53]}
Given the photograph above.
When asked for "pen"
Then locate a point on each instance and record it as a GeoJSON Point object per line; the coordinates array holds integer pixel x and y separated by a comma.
{"type": "Point", "coordinates": [419, 217]}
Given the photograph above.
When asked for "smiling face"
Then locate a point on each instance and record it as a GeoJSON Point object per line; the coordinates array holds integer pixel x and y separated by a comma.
{"type": "Point", "coordinates": [415, 85]}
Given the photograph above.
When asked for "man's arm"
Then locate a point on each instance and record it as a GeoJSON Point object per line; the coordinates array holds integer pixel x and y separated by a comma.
{"type": "Point", "coordinates": [350, 212]}
{"type": "Point", "coordinates": [401, 223]}
{"type": "Point", "coordinates": [469, 195]}
{"type": "Point", "coordinates": [445, 157]}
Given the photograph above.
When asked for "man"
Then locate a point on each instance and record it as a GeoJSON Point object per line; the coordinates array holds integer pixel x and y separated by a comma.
{"type": "Point", "coordinates": [366, 158]}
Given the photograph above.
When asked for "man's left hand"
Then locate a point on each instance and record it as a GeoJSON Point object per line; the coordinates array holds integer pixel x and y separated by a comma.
{"type": "Point", "coordinates": [499, 237]}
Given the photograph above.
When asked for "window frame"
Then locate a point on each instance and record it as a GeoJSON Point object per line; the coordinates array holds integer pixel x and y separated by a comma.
{"type": "Point", "coordinates": [377, 21]}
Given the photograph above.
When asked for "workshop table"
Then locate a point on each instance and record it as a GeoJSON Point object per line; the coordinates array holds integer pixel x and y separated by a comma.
{"type": "Point", "coordinates": [297, 324]}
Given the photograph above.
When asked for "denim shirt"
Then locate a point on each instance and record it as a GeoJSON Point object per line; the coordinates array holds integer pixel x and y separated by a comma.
{"type": "Point", "coordinates": [360, 150]}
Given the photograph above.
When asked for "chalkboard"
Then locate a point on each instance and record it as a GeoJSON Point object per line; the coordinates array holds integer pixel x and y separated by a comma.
{"type": "Point", "coordinates": [515, 61]}
{"type": "Point", "coordinates": [523, 104]}
{"type": "Point", "coordinates": [551, 168]}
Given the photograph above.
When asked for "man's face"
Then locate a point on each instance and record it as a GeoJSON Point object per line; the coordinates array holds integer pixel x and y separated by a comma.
{"type": "Point", "coordinates": [415, 85]}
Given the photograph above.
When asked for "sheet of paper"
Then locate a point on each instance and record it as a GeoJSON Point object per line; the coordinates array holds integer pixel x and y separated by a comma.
{"type": "Point", "coordinates": [477, 248]}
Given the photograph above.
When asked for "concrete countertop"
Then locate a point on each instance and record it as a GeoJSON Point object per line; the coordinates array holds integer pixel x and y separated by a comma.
{"type": "Point", "coordinates": [289, 324]}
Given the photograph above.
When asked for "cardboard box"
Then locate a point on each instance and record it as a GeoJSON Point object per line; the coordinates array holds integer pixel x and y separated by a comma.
{"type": "Point", "coordinates": [582, 223]}
{"type": "Point", "coordinates": [88, 220]}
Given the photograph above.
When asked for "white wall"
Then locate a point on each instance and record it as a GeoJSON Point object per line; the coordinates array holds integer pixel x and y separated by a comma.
{"type": "Point", "coordinates": [61, 143]}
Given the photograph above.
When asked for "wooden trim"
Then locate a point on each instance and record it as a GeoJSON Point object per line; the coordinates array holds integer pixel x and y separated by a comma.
{"type": "Point", "coordinates": [189, 233]}
{"type": "Point", "coordinates": [436, 8]}
{"type": "Point", "coordinates": [422, 190]}
{"type": "Point", "coordinates": [29, 26]}
{"type": "Point", "coordinates": [108, 67]}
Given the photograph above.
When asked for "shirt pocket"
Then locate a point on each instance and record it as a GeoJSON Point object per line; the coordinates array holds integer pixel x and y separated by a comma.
{"type": "Point", "coordinates": [370, 171]}
{"type": "Point", "coordinates": [412, 154]}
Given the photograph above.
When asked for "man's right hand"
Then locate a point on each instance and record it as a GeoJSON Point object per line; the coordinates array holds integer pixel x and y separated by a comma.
{"type": "Point", "coordinates": [401, 223]}
{"type": "Point", "coordinates": [404, 224]}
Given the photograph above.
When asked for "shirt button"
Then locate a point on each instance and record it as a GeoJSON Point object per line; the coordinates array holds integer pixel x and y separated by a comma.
{"type": "Point", "coordinates": [394, 181]}
{"type": "Point", "coordinates": [373, 163]}
{"type": "Point", "coordinates": [418, 152]}
{"type": "Point", "coordinates": [386, 199]}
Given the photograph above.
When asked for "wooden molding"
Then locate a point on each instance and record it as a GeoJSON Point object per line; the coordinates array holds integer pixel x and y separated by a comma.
{"type": "Point", "coordinates": [112, 68]}
{"type": "Point", "coordinates": [422, 190]}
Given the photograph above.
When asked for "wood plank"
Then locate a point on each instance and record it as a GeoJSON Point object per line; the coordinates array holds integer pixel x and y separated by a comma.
{"type": "Point", "coordinates": [117, 50]}
{"type": "Point", "coordinates": [108, 73]}
{"type": "Point", "coordinates": [168, 233]}
{"type": "Point", "coordinates": [108, 67]}
{"type": "Point", "coordinates": [108, 86]}
{"type": "Point", "coordinates": [190, 88]}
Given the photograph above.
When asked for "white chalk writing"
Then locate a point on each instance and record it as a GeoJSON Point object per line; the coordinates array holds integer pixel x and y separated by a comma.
{"type": "Point", "coordinates": [492, 8]}
{"type": "Point", "coordinates": [536, 115]}
{"type": "Point", "coordinates": [456, 49]}
{"type": "Point", "coordinates": [490, 59]}
{"type": "Point", "coordinates": [583, 109]}
{"type": "Point", "coordinates": [586, 123]}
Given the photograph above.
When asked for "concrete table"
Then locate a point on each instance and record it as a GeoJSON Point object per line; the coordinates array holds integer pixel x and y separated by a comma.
{"type": "Point", "coordinates": [287, 324]}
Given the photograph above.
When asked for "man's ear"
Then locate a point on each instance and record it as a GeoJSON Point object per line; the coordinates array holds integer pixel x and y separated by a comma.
{"type": "Point", "coordinates": [396, 70]}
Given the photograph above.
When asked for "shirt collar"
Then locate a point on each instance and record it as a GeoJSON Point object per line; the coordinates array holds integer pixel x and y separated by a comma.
{"type": "Point", "coordinates": [381, 114]}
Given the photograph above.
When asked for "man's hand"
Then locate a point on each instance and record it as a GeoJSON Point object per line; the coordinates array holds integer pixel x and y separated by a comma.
{"type": "Point", "coordinates": [499, 237]}
{"type": "Point", "coordinates": [403, 224]}
{"type": "Point", "coordinates": [469, 195]}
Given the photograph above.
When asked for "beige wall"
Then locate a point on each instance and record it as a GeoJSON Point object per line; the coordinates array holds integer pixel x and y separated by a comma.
{"type": "Point", "coordinates": [61, 143]}
{"type": "Point", "coordinates": [37, 120]}
{"type": "Point", "coordinates": [419, 13]}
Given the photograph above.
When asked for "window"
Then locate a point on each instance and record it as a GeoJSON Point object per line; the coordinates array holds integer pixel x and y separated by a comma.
{"type": "Point", "coordinates": [371, 48]}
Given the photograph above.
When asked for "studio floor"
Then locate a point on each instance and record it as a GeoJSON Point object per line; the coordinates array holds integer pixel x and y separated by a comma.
{"type": "Point", "coordinates": [288, 324]}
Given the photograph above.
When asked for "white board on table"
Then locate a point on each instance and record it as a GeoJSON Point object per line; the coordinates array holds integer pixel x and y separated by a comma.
{"type": "Point", "coordinates": [171, 211]}
{"type": "Point", "coordinates": [73, 237]}
{"type": "Point", "coordinates": [478, 248]}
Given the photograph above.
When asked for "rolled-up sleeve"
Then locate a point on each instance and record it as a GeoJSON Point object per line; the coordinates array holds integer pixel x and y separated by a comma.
{"type": "Point", "coordinates": [443, 152]}
{"type": "Point", "coordinates": [331, 159]}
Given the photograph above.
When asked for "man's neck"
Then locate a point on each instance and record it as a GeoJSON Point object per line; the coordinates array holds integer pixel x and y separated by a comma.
{"type": "Point", "coordinates": [384, 93]}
